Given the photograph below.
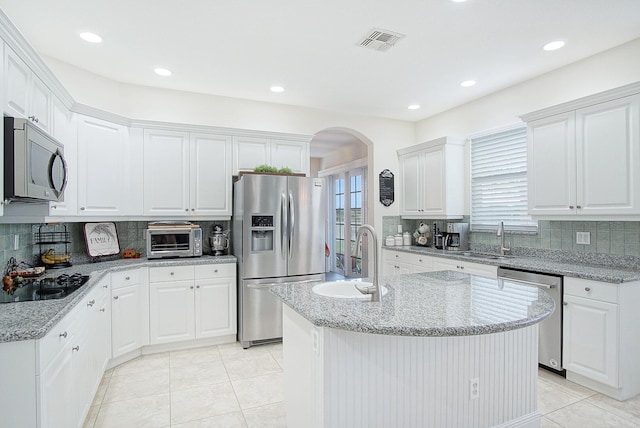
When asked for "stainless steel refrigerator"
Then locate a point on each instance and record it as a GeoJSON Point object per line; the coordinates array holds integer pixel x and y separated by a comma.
{"type": "Point", "coordinates": [278, 237]}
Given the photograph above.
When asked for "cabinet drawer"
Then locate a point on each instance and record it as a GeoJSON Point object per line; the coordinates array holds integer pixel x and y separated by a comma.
{"type": "Point", "coordinates": [125, 278]}
{"type": "Point", "coordinates": [58, 338]}
{"type": "Point", "coordinates": [171, 273]}
{"type": "Point", "coordinates": [219, 270]}
{"type": "Point", "coordinates": [585, 288]}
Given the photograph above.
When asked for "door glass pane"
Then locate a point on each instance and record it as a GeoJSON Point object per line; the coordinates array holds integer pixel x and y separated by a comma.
{"type": "Point", "coordinates": [355, 211]}
{"type": "Point", "coordinates": [339, 224]}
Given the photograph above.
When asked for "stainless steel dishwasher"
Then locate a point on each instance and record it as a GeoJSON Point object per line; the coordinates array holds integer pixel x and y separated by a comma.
{"type": "Point", "coordinates": [550, 329]}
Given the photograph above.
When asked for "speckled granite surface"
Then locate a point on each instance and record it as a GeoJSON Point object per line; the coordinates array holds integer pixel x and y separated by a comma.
{"type": "Point", "coordinates": [426, 304]}
{"type": "Point", "coordinates": [550, 264]}
{"type": "Point", "coordinates": [32, 320]}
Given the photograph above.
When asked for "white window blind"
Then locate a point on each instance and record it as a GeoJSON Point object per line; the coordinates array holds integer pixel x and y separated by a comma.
{"type": "Point", "coordinates": [499, 182]}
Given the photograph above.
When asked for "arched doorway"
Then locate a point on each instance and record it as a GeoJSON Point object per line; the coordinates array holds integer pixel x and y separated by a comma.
{"type": "Point", "coordinates": [343, 157]}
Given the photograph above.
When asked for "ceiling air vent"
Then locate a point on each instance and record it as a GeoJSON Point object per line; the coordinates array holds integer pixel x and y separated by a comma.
{"type": "Point", "coordinates": [380, 40]}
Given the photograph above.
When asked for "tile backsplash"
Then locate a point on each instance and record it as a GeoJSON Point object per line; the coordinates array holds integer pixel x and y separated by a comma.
{"type": "Point", "coordinates": [131, 234]}
{"type": "Point", "coordinates": [617, 238]}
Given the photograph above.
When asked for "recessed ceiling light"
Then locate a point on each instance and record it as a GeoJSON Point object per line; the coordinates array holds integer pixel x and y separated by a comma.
{"type": "Point", "coordinates": [468, 83]}
{"type": "Point", "coordinates": [414, 107]}
{"type": "Point", "coordinates": [552, 46]}
{"type": "Point", "coordinates": [162, 72]}
{"type": "Point", "coordinates": [277, 89]}
{"type": "Point", "coordinates": [90, 37]}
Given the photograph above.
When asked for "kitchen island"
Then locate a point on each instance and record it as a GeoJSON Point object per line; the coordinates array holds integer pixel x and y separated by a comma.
{"type": "Point", "coordinates": [442, 349]}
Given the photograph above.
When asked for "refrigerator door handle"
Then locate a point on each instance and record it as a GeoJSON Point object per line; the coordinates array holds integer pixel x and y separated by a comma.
{"type": "Point", "coordinates": [283, 223]}
{"type": "Point", "coordinates": [292, 219]}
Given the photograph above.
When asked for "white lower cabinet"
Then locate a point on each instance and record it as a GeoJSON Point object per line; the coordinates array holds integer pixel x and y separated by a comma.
{"type": "Point", "coordinates": [600, 336]}
{"type": "Point", "coordinates": [191, 302]}
{"type": "Point", "coordinates": [400, 263]}
{"type": "Point", "coordinates": [129, 311]}
{"type": "Point", "coordinates": [72, 358]}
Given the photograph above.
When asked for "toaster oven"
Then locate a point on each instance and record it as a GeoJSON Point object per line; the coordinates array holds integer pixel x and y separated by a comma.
{"type": "Point", "coordinates": [174, 241]}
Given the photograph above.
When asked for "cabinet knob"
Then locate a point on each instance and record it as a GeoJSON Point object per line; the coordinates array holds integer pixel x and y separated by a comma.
{"type": "Point", "coordinates": [191, 287]}
{"type": "Point", "coordinates": [570, 207]}
{"type": "Point", "coordinates": [215, 271]}
{"type": "Point", "coordinates": [53, 207]}
{"type": "Point", "coordinates": [115, 297]}
{"type": "Point", "coordinates": [197, 286]}
{"type": "Point", "coordinates": [420, 260]}
{"type": "Point", "coordinates": [587, 289]}
{"type": "Point", "coordinates": [126, 278]}
{"type": "Point", "coordinates": [578, 207]}
{"type": "Point", "coordinates": [565, 303]}
{"type": "Point", "coordinates": [396, 256]}
{"type": "Point", "coordinates": [33, 119]}
{"type": "Point", "coordinates": [82, 208]}
{"type": "Point", "coordinates": [63, 335]}
{"type": "Point", "coordinates": [105, 286]}
{"type": "Point", "coordinates": [186, 209]}
{"type": "Point", "coordinates": [101, 309]}
{"type": "Point", "coordinates": [91, 303]}
{"type": "Point", "coordinates": [193, 209]}
{"type": "Point", "coordinates": [76, 348]}
{"type": "Point", "coordinates": [171, 274]}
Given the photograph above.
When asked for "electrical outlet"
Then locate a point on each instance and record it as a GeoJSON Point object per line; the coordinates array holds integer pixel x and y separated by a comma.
{"type": "Point", "coordinates": [474, 388]}
{"type": "Point", "coordinates": [583, 238]}
{"type": "Point", "coordinates": [16, 242]}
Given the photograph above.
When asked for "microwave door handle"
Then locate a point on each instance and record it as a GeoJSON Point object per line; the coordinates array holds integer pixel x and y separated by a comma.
{"type": "Point", "coordinates": [59, 155]}
{"type": "Point", "coordinates": [66, 173]}
{"type": "Point", "coordinates": [283, 222]}
{"type": "Point", "coordinates": [292, 218]}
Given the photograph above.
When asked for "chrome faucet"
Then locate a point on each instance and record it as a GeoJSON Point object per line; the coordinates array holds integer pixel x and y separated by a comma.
{"type": "Point", "coordinates": [375, 289]}
{"type": "Point", "coordinates": [500, 234]}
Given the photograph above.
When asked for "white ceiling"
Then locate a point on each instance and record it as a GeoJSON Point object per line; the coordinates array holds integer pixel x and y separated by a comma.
{"type": "Point", "coordinates": [239, 48]}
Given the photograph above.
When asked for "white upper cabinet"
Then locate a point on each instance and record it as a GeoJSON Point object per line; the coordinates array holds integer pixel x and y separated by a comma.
{"type": "Point", "coordinates": [186, 174]}
{"type": "Point", "coordinates": [25, 95]}
{"type": "Point", "coordinates": [65, 129]}
{"type": "Point", "coordinates": [103, 172]}
{"type": "Point", "coordinates": [249, 152]}
{"type": "Point", "coordinates": [585, 162]}
{"type": "Point", "coordinates": [432, 179]}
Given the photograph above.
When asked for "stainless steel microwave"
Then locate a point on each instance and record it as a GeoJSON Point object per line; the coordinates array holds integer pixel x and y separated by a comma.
{"type": "Point", "coordinates": [176, 241]}
{"type": "Point", "coordinates": [34, 164]}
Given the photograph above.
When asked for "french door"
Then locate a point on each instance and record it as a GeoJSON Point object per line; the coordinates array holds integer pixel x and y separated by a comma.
{"type": "Point", "coordinates": [347, 213]}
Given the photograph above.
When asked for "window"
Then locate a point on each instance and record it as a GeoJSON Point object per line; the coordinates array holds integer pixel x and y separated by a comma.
{"type": "Point", "coordinates": [499, 181]}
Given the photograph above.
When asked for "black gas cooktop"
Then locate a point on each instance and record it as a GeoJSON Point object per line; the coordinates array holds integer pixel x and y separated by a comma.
{"type": "Point", "coordinates": [45, 288]}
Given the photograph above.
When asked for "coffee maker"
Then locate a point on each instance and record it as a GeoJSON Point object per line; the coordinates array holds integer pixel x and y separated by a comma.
{"type": "Point", "coordinates": [456, 238]}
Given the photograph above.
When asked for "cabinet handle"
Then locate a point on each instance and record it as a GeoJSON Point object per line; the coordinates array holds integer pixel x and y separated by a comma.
{"type": "Point", "coordinates": [91, 303]}
{"type": "Point", "coordinates": [197, 286]}
{"type": "Point", "coordinates": [191, 287]}
{"type": "Point", "coordinates": [171, 274]}
{"type": "Point", "coordinates": [565, 303]}
{"type": "Point", "coordinates": [579, 207]}
{"type": "Point", "coordinates": [193, 209]}
{"type": "Point", "coordinates": [126, 278]}
{"type": "Point", "coordinates": [33, 119]}
{"type": "Point", "coordinates": [115, 297]}
{"type": "Point", "coordinates": [101, 309]}
{"type": "Point", "coordinates": [396, 256]}
{"type": "Point", "coordinates": [63, 335]}
{"type": "Point", "coordinates": [587, 289]}
{"type": "Point", "coordinates": [570, 207]}
{"type": "Point", "coordinates": [81, 208]}
{"type": "Point", "coordinates": [76, 348]}
{"type": "Point", "coordinates": [215, 271]}
{"type": "Point", "coordinates": [105, 286]}
{"type": "Point", "coordinates": [186, 209]}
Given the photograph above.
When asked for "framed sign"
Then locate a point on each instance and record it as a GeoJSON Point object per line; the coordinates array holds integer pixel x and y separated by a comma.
{"type": "Point", "coordinates": [387, 188]}
{"type": "Point", "coordinates": [101, 239]}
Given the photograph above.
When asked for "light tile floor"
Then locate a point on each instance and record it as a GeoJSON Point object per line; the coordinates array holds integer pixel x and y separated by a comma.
{"type": "Point", "coordinates": [227, 386]}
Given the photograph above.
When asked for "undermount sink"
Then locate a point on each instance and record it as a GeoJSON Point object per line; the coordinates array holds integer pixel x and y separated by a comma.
{"type": "Point", "coordinates": [345, 289]}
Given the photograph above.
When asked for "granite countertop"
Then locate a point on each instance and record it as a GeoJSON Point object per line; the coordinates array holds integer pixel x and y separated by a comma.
{"type": "Point", "coordinates": [611, 274]}
{"type": "Point", "coordinates": [33, 320]}
{"type": "Point", "coordinates": [439, 304]}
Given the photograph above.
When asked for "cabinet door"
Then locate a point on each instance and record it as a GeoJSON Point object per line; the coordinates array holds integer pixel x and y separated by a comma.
{"type": "Point", "coordinates": [64, 128]}
{"type": "Point", "coordinates": [39, 103]}
{"type": "Point", "coordinates": [102, 150]}
{"type": "Point", "coordinates": [434, 182]}
{"type": "Point", "coordinates": [290, 154]}
{"type": "Point", "coordinates": [590, 335]}
{"type": "Point", "coordinates": [551, 165]}
{"type": "Point", "coordinates": [608, 153]}
{"type": "Point", "coordinates": [215, 306]}
{"type": "Point", "coordinates": [249, 152]}
{"type": "Point", "coordinates": [166, 172]}
{"type": "Point", "coordinates": [210, 166]}
{"type": "Point", "coordinates": [171, 311]}
{"type": "Point", "coordinates": [126, 323]}
{"type": "Point", "coordinates": [56, 393]}
{"type": "Point", "coordinates": [411, 183]}
{"type": "Point", "coordinates": [16, 84]}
